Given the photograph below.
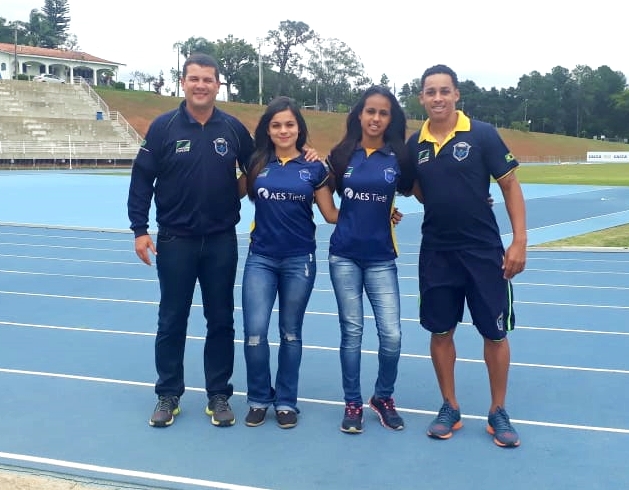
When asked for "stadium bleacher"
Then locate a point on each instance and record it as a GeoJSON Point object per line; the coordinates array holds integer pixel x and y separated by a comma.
{"type": "Point", "coordinates": [47, 124]}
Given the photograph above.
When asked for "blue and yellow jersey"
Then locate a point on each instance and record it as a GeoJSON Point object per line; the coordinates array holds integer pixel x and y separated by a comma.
{"type": "Point", "coordinates": [284, 222]}
{"type": "Point", "coordinates": [364, 230]}
{"type": "Point", "coordinates": [454, 177]}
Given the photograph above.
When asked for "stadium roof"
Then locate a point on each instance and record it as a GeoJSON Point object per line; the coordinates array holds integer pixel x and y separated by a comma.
{"type": "Point", "coordinates": [60, 54]}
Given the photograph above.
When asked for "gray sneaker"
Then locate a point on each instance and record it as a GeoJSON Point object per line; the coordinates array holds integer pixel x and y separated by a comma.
{"type": "Point", "coordinates": [218, 408]}
{"type": "Point", "coordinates": [165, 410]}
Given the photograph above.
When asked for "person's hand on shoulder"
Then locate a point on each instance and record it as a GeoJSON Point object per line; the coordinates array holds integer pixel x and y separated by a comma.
{"type": "Point", "coordinates": [310, 154]}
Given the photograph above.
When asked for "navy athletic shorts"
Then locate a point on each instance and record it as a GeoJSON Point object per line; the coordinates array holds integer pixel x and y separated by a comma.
{"type": "Point", "coordinates": [447, 279]}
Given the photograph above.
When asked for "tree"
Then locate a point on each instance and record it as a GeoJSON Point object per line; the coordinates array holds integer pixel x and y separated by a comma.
{"type": "Point", "coordinates": [57, 13]}
{"type": "Point", "coordinates": [471, 99]}
{"type": "Point", "coordinates": [233, 55]}
{"type": "Point", "coordinates": [196, 45]}
{"type": "Point", "coordinates": [140, 78]}
{"type": "Point", "coordinates": [409, 99]}
{"type": "Point", "coordinates": [71, 43]}
{"type": "Point", "coordinates": [150, 79]}
{"type": "Point", "coordinates": [384, 81]}
{"type": "Point", "coordinates": [285, 39]}
{"type": "Point", "coordinates": [336, 71]}
{"type": "Point", "coordinates": [159, 83]}
{"type": "Point", "coordinates": [40, 32]}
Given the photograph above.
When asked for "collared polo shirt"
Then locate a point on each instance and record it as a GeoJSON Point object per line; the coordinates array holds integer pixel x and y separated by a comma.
{"type": "Point", "coordinates": [284, 221]}
{"type": "Point", "coordinates": [364, 230]}
{"type": "Point", "coordinates": [454, 178]}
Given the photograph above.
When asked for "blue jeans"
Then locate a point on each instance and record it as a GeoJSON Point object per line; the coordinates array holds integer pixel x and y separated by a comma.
{"type": "Point", "coordinates": [181, 261]}
{"type": "Point", "coordinates": [379, 280]}
{"type": "Point", "coordinates": [291, 280]}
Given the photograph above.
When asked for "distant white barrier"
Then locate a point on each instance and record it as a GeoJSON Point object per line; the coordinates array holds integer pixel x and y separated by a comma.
{"type": "Point", "coordinates": [608, 156]}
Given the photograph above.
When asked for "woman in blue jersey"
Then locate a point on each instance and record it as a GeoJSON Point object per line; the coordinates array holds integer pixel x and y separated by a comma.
{"type": "Point", "coordinates": [281, 260]}
{"type": "Point", "coordinates": [369, 166]}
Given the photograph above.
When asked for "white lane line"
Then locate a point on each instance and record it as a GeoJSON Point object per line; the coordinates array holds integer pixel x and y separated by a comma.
{"type": "Point", "coordinates": [318, 347]}
{"type": "Point", "coordinates": [64, 259]}
{"type": "Point", "coordinates": [75, 276]}
{"type": "Point", "coordinates": [317, 290]}
{"type": "Point", "coordinates": [617, 430]}
{"type": "Point", "coordinates": [115, 300]}
{"type": "Point", "coordinates": [67, 247]}
{"type": "Point", "coordinates": [158, 477]}
{"type": "Point", "coordinates": [68, 237]}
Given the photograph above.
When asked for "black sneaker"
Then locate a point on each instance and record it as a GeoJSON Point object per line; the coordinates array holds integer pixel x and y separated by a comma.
{"type": "Point", "coordinates": [286, 419]}
{"type": "Point", "coordinates": [255, 417]}
{"type": "Point", "coordinates": [353, 419]}
{"type": "Point", "coordinates": [385, 408]}
{"type": "Point", "coordinates": [218, 408]}
{"type": "Point", "coordinates": [165, 410]}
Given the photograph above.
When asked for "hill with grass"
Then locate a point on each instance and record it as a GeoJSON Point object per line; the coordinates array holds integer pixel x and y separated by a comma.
{"type": "Point", "coordinates": [326, 128]}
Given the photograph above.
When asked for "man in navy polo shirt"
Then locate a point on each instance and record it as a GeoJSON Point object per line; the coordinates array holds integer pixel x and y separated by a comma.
{"type": "Point", "coordinates": [462, 258]}
{"type": "Point", "coordinates": [188, 164]}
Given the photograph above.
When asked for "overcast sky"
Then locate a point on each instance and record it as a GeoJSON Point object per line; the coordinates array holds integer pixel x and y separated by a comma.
{"type": "Point", "coordinates": [490, 42]}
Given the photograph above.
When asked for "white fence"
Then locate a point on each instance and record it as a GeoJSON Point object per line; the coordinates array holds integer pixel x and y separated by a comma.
{"type": "Point", "coordinates": [20, 153]}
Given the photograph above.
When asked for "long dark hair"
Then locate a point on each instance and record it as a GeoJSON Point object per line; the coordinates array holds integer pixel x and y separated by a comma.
{"type": "Point", "coordinates": [263, 144]}
{"type": "Point", "coordinates": [394, 136]}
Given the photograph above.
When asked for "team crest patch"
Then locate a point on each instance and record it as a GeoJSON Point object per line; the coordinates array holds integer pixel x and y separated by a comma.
{"type": "Point", "coordinates": [389, 175]}
{"type": "Point", "coordinates": [509, 157]}
{"type": "Point", "coordinates": [423, 156]}
{"type": "Point", "coordinates": [182, 146]}
{"type": "Point", "coordinates": [264, 172]}
{"type": "Point", "coordinates": [348, 172]}
{"type": "Point", "coordinates": [500, 323]}
{"type": "Point", "coordinates": [461, 150]}
{"type": "Point", "coordinates": [304, 175]}
{"type": "Point", "coordinates": [220, 146]}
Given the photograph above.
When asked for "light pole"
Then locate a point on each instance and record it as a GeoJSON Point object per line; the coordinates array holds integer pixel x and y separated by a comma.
{"type": "Point", "coordinates": [260, 83]}
{"type": "Point", "coordinates": [526, 106]}
{"type": "Point", "coordinates": [177, 47]}
{"type": "Point", "coordinates": [70, 150]}
{"type": "Point", "coordinates": [15, 51]}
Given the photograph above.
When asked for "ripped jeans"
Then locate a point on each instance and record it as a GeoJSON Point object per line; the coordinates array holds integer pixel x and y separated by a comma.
{"type": "Point", "coordinates": [291, 280]}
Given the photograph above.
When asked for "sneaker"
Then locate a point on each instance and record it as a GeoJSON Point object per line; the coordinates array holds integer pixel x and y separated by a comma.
{"type": "Point", "coordinates": [165, 410]}
{"type": "Point", "coordinates": [447, 421]}
{"type": "Point", "coordinates": [500, 427]}
{"type": "Point", "coordinates": [218, 408]}
{"type": "Point", "coordinates": [286, 419]}
{"type": "Point", "coordinates": [385, 408]}
{"type": "Point", "coordinates": [353, 419]}
{"type": "Point", "coordinates": [255, 417]}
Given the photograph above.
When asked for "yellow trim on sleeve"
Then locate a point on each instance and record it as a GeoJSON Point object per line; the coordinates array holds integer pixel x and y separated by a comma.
{"type": "Point", "coordinates": [509, 172]}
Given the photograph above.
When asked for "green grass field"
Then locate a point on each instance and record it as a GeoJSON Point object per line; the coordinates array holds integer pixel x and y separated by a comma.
{"type": "Point", "coordinates": [599, 174]}
{"type": "Point", "coordinates": [578, 174]}
{"type": "Point", "coordinates": [617, 237]}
